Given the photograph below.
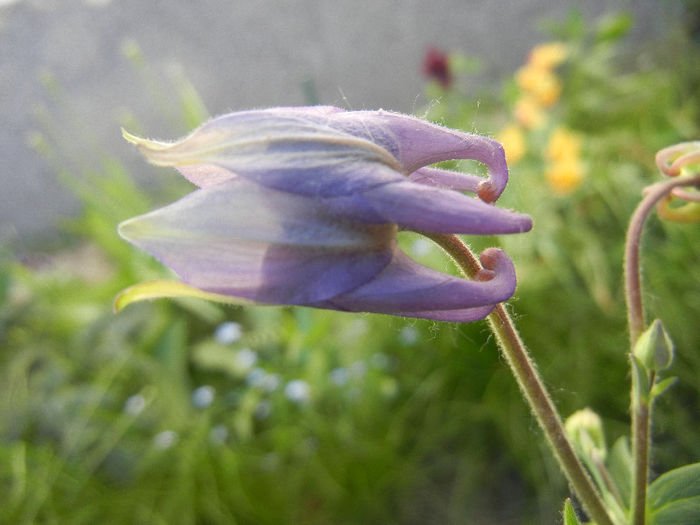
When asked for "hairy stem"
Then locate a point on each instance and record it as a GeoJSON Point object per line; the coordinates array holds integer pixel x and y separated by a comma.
{"type": "Point", "coordinates": [530, 383]}
{"type": "Point", "coordinates": [641, 443]}
{"type": "Point", "coordinates": [633, 286]}
{"type": "Point", "coordinates": [641, 421]}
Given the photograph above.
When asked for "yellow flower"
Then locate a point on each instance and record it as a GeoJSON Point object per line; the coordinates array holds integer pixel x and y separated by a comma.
{"type": "Point", "coordinates": [542, 84]}
{"type": "Point", "coordinates": [529, 113]}
{"type": "Point", "coordinates": [563, 145]}
{"type": "Point", "coordinates": [513, 141]}
{"type": "Point", "coordinates": [548, 56]}
{"type": "Point", "coordinates": [527, 77]}
{"type": "Point", "coordinates": [564, 176]}
{"type": "Point", "coordinates": [687, 212]}
{"type": "Point", "coordinates": [566, 170]}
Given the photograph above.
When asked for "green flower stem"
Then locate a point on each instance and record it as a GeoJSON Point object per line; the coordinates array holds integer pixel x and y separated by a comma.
{"type": "Point", "coordinates": [633, 286]}
{"type": "Point", "coordinates": [641, 409]}
{"type": "Point", "coordinates": [525, 372]}
{"type": "Point", "coordinates": [641, 444]}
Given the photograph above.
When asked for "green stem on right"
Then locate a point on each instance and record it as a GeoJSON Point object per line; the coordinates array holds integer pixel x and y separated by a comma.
{"type": "Point", "coordinates": [633, 280]}
{"type": "Point", "coordinates": [641, 444]}
{"type": "Point", "coordinates": [641, 409]}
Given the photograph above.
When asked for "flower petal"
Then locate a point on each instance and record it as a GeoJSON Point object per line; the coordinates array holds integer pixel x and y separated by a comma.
{"type": "Point", "coordinates": [670, 160]}
{"type": "Point", "coordinates": [417, 143]}
{"type": "Point", "coordinates": [687, 212]}
{"type": "Point", "coordinates": [424, 208]}
{"type": "Point", "coordinates": [466, 315]}
{"type": "Point", "coordinates": [273, 147]}
{"type": "Point", "coordinates": [453, 180]}
{"type": "Point", "coordinates": [171, 289]}
{"type": "Point", "coordinates": [237, 238]}
{"type": "Point", "coordinates": [204, 175]}
{"type": "Point", "coordinates": [409, 289]}
{"type": "Point", "coordinates": [265, 144]}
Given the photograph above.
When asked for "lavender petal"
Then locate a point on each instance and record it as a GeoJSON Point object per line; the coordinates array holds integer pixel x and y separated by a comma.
{"type": "Point", "coordinates": [407, 288]}
{"type": "Point", "coordinates": [419, 207]}
{"type": "Point", "coordinates": [237, 238]}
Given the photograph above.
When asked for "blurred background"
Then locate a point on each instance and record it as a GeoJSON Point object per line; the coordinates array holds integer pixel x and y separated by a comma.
{"type": "Point", "coordinates": [188, 412]}
{"type": "Point", "coordinates": [355, 54]}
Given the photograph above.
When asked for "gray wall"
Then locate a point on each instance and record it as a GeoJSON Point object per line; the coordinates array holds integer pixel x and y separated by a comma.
{"type": "Point", "coordinates": [238, 54]}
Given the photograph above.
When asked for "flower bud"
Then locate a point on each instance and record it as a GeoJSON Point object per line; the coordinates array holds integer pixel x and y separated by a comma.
{"type": "Point", "coordinates": [654, 348]}
{"type": "Point", "coordinates": [585, 428]}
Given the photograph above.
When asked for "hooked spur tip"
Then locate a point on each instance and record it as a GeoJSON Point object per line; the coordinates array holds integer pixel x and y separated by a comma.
{"type": "Point", "coordinates": [672, 159]}
{"type": "Point", "coordinates": [491, 258]}
{"type": "Point", "coordinates": [487, 191]}
{"type": "Point", "coordinates": [484, 275]}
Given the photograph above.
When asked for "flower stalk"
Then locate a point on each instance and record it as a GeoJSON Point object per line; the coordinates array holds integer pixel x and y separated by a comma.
{"type": "Point", "coordinates": [530, 383]}
{"type": "Point", "coordinates": [633, 280]}
{"type": "Point", "coordinates": [641, 444]}
{"type": "Point", "coordinates": [641, 404]}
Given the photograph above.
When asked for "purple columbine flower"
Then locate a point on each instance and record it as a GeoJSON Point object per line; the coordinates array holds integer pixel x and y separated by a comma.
{"type": "Point", "coordinates": [301, 206]}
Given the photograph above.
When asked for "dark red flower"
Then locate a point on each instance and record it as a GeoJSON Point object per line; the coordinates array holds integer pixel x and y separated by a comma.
{"type": "Point", "coordinates": [436, 66]}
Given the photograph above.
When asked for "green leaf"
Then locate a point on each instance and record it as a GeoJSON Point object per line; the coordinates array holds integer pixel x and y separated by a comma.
{"type": "Point", "coordinates": [683, 512]}
{"type": "Point", "coordinates": [570, 517]}
{"type": "Point", "coordinates": [680, 483]}
{"type": "Point", "coordinates": [640, 381]}
{"type": "Point", "coordinates": [613, 27]}
{"type": "Point", "coordinates": [620, 467]}
{"type": "Point", "coordinates": [674, 498]}
{"type": "Point", "coordinates": [661, 387]}
{"type": "Point", "coordinates": [194, 112]}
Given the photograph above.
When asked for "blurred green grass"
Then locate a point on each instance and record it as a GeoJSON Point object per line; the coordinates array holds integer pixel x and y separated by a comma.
{"type": "Point", "coordinates": [187, 412]}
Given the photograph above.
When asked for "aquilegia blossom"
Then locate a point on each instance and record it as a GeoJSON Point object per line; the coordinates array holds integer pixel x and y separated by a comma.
{"type": "Point", "coordinates": [301, 206]}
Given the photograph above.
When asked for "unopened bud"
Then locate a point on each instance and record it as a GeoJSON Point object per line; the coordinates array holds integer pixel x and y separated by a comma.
{"type": "Point", "coordinates": [585, 428]}
{"type": "Point", "coordinates": [654, 348]}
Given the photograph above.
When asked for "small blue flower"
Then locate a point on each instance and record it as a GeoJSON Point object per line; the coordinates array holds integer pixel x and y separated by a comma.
{"type": "Point", "coordinates": [256, 377]}
{"type": "Point", "coordinates": [381, 361]}
{"type": "Point", "coordinates": [246, 358]}
{"type": "Point", "coordinates": [262, 410]}
{"type": "Point", "coordinates": [218, 434]}
{"type": "Point", "coordinates": [408, 335]}
{"type": "Point", "coordinates": [166, 439]}
{"type": "Point", "coordinates": [271, 382]}
{"type": "Point", "coordinates": [340, 376]}
{"type": "Point", "coordinates": [421, 247]}
{"type": "Point", "coordinates": [297, 391]}
{"type": "Point", "coordinates": [135, 404]}
{"type": "Point", "coordinates": [203, 396]}
{"type": "Point", "coordinates": [227, 333]}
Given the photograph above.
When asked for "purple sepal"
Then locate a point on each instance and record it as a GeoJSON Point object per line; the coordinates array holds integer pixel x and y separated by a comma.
{"type": "Point", "coordinates": [407, 288]}
{"type": "Point", "coordinates": [419, 207]}
{"type": "Point", "coordinates": [238, 238]}
{"type": "Point", "coordinates": [269, 145]}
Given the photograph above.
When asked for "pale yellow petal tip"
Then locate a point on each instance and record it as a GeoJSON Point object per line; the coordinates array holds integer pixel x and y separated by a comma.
{"type": "Point", "coordinates": [688, 212]}
{"type": "Point", "coordinates": [169, 289]}
{"type": "Point", "coordinates": [144, 143]}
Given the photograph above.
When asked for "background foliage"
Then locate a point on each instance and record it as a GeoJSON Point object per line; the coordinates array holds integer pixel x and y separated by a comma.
{"type": "Point", "coordinates": [186, 412]}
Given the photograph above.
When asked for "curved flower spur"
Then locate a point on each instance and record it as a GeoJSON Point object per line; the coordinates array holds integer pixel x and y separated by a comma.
{"type": "Point", "coordinates": [301, 206]}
